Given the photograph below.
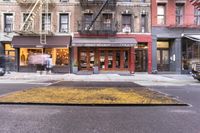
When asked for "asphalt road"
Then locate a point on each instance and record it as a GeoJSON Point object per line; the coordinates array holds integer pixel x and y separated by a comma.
{"type": "Point", "coordinates": [12, 87]}
{"type": "Point", "coordinates": [108, 119]}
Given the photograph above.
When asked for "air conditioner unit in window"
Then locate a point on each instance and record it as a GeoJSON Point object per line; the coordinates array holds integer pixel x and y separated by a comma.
{"type": "Point", "coordinates": [126, 29]}
{"type": "Point", "coordinates": [86, 28]}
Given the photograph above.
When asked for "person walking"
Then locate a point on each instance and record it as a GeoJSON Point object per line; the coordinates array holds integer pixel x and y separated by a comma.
{"type": "Point", "coordinates": [48, 64]}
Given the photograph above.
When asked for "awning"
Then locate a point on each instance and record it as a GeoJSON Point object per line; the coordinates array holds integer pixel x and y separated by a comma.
{"type": "Point", "coordinates": [104, 42]}
{"type": "Point", "coordinates": [194, 37]}
{"type": "Point", "coordinates": [34, 41]}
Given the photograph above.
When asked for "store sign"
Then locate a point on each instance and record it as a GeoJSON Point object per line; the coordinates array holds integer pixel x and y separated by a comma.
{"type": "Point", "coordinates": [162, 44]}
{"type": "Point", "coordinates": [39, 46]}
{"type": "Point", "coordinates": [106, 45]}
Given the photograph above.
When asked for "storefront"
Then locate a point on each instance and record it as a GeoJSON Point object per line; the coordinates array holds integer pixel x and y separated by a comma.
{"type": "Point", "coordinates": [109, 54]}
{"type": "Point", "coordinates": [10, 56]}
{"type": "Point", "coordinates": [190, 51]}
{"type": "Point", "coordinates": [57, 47]}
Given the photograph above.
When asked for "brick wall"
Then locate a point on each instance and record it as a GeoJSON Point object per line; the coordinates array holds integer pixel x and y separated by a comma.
{"type": "Point", "coordinates": [171, 13]}
{"type": "Point", "coordinates": [75, 12]}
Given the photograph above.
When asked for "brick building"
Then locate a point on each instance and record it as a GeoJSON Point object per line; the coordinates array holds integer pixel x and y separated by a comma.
{"type": "Point", "coordinates": [175, 35]}
{"type": "Point", "coordinates": [113, 35]}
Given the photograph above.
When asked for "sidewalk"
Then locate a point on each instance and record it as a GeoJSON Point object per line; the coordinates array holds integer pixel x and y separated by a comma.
{"type": "Point", "coordinates": [140, 78]}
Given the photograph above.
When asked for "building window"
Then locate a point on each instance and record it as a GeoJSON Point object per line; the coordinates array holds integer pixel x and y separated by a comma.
{"type": "Point", "coordinates": [46, 22]}
{"type": "Point", "coordinates": [64, 23]}
{"type": "Point", "coordinates": [126, 23]}
{"type": "Point", "coordinates": [8, 22]}
{"type": "Point", "coordinates": [107, 21]}
{"type": "Point", "coordinates": [179, 14]}
{"type": "Point", "coordinates": [196, 17]}
{"type": "Point", "coordinates": [26, 27]}
{"type": "Point", "coordinates": [144, 22]}
{"type": "Point", "coordinates": [87, 20]}
{"type": "Point", "coordinates": [161, 14]}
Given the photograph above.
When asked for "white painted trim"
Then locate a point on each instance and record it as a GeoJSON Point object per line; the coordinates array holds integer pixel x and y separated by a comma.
{"type": "Point", "coordinates": [40, 19]}
{"type": "Point", "coordinates": [58, 22]}
{"type": "Point", "coordinates": [2, 20]}
{"type": "Point", "coordinates": [22, 17]}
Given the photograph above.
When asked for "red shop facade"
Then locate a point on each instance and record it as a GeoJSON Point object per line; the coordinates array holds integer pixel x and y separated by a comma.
{"type": "Point", "coordinates": [114, 53]}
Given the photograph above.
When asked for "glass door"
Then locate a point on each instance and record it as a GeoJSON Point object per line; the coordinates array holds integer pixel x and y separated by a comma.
{"type": "Point", "coordinates": [102, 59]}
{"type": "Point", "coordinates": [83, 60]}
{"type": "Point", "coordinates": [163, 60]}
{"type": "Point", "coordinates": [117, 61]}
{"type": "Point", "coordinates": [86, 59]}
{"type": "Point", "coordinates": [110, 59]}
{"type": "Point", "coordinates": [141, 60]}
{"type": "Point", "coordinates": [91, 59]}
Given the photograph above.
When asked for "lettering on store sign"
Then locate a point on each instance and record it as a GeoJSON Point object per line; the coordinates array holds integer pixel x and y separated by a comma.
{"type": "Point", "coordinates": [107, 45]}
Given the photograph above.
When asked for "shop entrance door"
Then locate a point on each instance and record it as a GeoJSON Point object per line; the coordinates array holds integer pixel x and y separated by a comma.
{"type": "Point", "coordinates": [110, 59]}
{"type": "Point", "coordinates": [86, 58]}
{"type": "Point", "coordinates": [163, 60]}
{"type": "Point", "coordinates": [141, 60]}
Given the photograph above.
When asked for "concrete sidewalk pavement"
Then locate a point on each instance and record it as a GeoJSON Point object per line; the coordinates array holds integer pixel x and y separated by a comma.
{"type": "Point", "coordinates": [140, 78]}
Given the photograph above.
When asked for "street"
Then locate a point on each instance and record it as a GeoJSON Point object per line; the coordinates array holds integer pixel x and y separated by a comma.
{"type": "Point", "coordinates": [106, 119]}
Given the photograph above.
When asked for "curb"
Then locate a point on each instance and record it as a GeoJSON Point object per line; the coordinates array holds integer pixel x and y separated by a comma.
{"type": "Point", "coordinates": [91, 105]}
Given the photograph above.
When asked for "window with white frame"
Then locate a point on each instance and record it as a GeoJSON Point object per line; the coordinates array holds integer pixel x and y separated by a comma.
{"type": "Point", "coordinates": [30, 27]}
{"type": "Point", "coordinates": [64, 23]}
{"type": "Point", "coordinates": [161, 14]}
{"type": "Point", "coordinates": [197, 17]}
{"type": "Point", "coordinates": [8, 22]}
{"type": "Point", "coordinates": [46, 22]}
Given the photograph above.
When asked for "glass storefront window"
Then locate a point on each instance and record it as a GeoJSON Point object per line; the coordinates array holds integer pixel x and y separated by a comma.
{"type": "Point", "coordinates": [83, 59]}
{"type": "Point", "coordinates": [110, 59]}
{"type": "Point", "coordinates": [25, 54]}
{"type": "Point", "coordinates": [190, 55]}
{"type": "Point", "coordinates": [102, 60]}
{"type": "Point", "coordinates": [91, 59]}
{"type": "Point", "coordinates": [117, 59]}
{"type": "Point", "coordinates": [10, 56]}
{"type": "Point", "coordinates": [125, 59]}
{"type": "Point", "coordinates": [60, 56]}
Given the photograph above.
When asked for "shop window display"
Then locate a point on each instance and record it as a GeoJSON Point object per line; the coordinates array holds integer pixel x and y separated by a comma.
{"type": "Point", "coordinates": [60, 56]}
{"type": "Point", "coordinates": [190, 55]}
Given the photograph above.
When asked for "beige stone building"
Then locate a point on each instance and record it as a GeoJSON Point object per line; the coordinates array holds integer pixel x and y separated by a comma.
{"type": "Point", "coordinates": [112, 35]}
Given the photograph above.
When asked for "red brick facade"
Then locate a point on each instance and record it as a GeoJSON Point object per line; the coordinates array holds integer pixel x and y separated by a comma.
{"type": "Point", "coordinates": [170, 13]}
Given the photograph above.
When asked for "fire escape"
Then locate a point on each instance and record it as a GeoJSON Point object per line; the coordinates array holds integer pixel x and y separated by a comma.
{"type": "Point", "coordinates": [35, 8]}
{"type": "Point", "coordinates": [95, 25]}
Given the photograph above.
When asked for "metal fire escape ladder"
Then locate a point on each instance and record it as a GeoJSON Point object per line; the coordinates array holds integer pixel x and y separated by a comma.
{"type": "Point", "coordinates": [33, 12]}
{"type": "Point", "coordinates": [44, 32]}
{"type": "Point", "coordinates": [97, 15]}
{"type": "Point", "coordinates": [38, 8]}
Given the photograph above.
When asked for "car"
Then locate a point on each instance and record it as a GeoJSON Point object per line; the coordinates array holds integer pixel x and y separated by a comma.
{"type": "Point", "coordinates": [2, 65]}
{"type": "Point", "coordinates": [196, 71]}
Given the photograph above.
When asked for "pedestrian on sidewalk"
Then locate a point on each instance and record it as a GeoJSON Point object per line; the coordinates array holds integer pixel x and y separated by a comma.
{"type": "Point", "coordinates": [48, 64]}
